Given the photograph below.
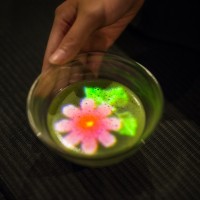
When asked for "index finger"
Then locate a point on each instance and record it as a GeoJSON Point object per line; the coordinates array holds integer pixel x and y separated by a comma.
{"type": "Point", "coordinates": [64, 17]}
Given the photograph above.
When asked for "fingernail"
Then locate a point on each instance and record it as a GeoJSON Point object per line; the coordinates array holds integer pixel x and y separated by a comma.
{"type": "Point", "coordinates": [58, 57]}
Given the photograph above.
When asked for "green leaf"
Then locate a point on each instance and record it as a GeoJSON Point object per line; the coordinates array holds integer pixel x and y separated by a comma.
{"type": "Point", "coordinates": [129, 124]}
{"type": "Point", "coordinates": [114, 96]}
{"type": "Point", "coordinates": [95, 93]}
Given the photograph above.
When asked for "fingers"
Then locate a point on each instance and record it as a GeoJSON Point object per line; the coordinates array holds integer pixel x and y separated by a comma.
{"type": "Point", "coordinates": [94, 63]}
{"type": "Point", "coordinates": [55, 79]}
{"type": "Point", "coordinates": [75, 24]}
{"type": "Point", "coordinates": [64, 17]}
{"type": "Point", "coordinates": [83, 27]}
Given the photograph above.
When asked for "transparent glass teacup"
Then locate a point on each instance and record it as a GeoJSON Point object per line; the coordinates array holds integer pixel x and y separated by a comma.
{"type": "Point", "coordinates": [87, 110]}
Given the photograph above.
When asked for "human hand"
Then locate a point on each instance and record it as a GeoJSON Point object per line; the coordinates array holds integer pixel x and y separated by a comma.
{"type": "Point", "coordinates": [87, 25]}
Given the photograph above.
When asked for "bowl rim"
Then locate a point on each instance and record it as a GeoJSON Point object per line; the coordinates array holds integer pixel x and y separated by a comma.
{"type": "Point", "coordinates": [115, 56]}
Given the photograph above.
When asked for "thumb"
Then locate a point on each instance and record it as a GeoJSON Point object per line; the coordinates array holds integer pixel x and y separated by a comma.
{"type": "Point", "coordinates": [75, 38]}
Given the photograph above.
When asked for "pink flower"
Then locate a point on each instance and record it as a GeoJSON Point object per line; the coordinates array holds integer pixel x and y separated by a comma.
{"type": "Point", "coordinates": [87, 126]}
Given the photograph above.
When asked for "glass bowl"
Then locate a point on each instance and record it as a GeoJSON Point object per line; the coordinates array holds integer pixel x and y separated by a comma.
{"type": "Point", "coordinates": [96, 110]}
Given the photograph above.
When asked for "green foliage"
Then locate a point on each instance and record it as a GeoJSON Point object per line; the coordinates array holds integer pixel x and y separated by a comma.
{"type": "Point", "coordinates": [129, 124]}
{"type": "Point", "coordinates": [116, 96]}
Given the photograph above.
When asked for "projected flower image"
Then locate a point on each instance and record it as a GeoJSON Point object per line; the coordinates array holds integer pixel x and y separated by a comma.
{"type": "Point", "coordinates": [88, 126]}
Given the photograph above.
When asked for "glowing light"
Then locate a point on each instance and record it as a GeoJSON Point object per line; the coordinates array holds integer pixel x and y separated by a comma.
{"type": "Point", "coordinates": [129, 124]}
{"type": "Point", "coordinates": [115, 96]}
{"type": "Point", "coordinates": [88, 126]}
{"type": "Point", "coordinates": [89, 123]}
{"type": "Point", "coordinates": [102, 116]}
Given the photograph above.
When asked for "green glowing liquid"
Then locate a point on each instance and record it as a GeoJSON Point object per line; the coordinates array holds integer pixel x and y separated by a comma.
{"type": "Point", "coordinates": [127, 107]}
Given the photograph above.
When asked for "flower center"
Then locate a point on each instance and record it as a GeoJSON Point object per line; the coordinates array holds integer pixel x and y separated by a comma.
{"type": "Point", "coordinates": [87, 122]}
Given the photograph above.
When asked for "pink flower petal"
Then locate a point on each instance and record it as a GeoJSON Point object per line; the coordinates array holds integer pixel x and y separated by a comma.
{"type": "Point", "coordinates": [70, 111]}
{"type": "Point", "coordinates": [112, 123]}
{"type": "Point", "coordinates": [107, 139]}
{"type": "Point", "coordinates": [104, 110]}
{"type": "Point", "coordinates": [72, 139]}
{"type": "Point", "coordinates": [63, 125]}
{"type": "Point", "coordinates": [87, 105]}
{"type": "Point", "coordinates": [89, 146]}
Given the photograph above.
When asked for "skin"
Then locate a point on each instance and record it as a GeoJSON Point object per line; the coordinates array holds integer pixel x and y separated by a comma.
{"type": "Point", "coordinates": [87, 25]}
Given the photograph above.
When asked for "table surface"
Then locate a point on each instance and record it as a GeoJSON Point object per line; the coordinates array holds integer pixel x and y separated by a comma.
{"type": "Point", "coordinates": [166, 167]}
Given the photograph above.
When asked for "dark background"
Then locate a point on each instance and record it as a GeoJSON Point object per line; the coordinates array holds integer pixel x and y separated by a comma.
{"type": "Point", "coordinates": [165, 39]}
